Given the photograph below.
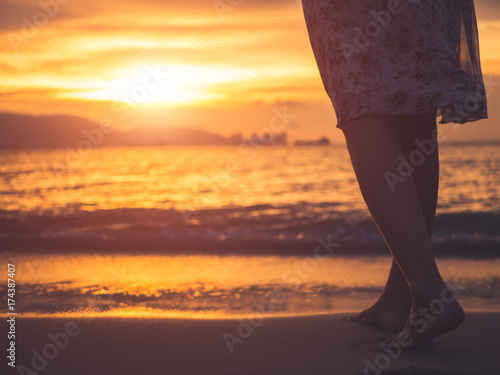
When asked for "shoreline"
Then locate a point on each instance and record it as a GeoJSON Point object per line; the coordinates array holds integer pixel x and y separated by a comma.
{"type": "Point", "coordinates": [208, 316]}
{"type": "Point", "coordinates": [478, 249]}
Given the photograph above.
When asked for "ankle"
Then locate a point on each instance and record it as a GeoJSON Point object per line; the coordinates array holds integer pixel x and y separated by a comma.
{"type": "Point", "coordinates": [396, 294]}
{"type": "Point", "coordinates": [399, 302]}
{"type": "Point", "coordinates": [436, 295]}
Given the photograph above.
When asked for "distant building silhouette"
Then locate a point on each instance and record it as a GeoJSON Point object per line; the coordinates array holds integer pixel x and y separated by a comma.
{"type": "Point", "coordinates": [268, 139]}
{"type": "Point", "coordinates": [320, 142]}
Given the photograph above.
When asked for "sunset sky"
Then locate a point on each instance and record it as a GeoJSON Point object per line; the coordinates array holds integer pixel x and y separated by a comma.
{"type": "Point", "coordinates": [198, 63]}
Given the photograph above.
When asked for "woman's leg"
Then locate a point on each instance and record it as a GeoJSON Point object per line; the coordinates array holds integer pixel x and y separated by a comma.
{"type": "Point", "coordinates": [374, 145]}
{"type": "Point", "coordinates": [418, 137]}
{"type": "Point", "coordinates": [392, 309]}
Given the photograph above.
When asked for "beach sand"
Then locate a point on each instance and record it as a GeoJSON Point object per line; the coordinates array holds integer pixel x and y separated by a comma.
{"type": "Point", "coordinates": [323, 344]}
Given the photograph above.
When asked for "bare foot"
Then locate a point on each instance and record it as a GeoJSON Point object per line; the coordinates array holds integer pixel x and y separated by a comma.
{"type": "Point", "coordinates": [439, 316]}
{"type": "Point", "coordinates": [390, 316]}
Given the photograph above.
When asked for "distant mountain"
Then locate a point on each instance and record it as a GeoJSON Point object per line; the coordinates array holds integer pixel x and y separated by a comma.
{"type": "Point", "coordinates": [25, 132]}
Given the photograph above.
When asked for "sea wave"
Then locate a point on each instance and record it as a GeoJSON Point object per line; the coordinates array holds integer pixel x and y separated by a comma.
{"type": "Point", "coordinates": [255, 229]}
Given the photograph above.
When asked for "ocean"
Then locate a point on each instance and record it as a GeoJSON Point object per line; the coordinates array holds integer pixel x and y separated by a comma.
{"type": "Point", "coordinates": [226, 230]}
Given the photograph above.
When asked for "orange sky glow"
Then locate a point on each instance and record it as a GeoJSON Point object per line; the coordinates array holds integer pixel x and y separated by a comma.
{"type": "Point", "coordinates": [222, 66]}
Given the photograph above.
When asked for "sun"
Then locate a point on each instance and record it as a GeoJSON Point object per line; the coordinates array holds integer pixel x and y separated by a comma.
{"type": "Point", "coordinates": [162, 84]}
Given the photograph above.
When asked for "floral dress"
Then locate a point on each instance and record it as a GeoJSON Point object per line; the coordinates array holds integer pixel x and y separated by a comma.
{"type": "Point", "coordinates": [398, 57]}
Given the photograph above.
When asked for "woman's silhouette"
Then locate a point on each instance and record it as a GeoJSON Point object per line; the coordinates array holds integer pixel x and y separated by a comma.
{"type": "Point", "coordinates": [390, 68]}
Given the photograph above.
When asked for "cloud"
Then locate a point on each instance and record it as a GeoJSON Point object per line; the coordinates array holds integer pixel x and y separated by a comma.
{"type": "Point", "coordinates": [258, 53]}
{"type": "Point", "coordinates": [487, 10]}
{"type": "Point", "coordinates": [13, 12]}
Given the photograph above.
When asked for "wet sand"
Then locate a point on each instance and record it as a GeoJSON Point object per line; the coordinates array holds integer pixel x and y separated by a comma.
{"type": "Point", "coordinates": [324, 344]}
